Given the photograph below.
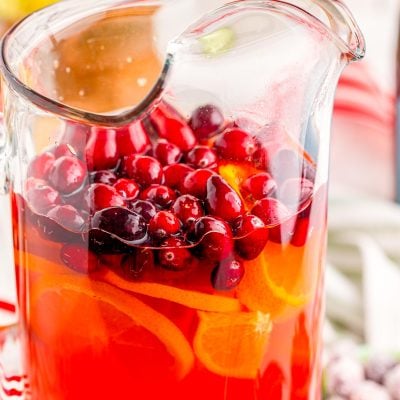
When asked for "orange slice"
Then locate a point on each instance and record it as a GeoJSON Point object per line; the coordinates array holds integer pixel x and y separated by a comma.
{"type": "Point", "coordinates": [188, 298]}
{"type": "Point", "coordinates": [75, 311]}
{"type": "Point", "coordinates": [282, 279]}
{"type": "Point", "coordinates": [232, 344]}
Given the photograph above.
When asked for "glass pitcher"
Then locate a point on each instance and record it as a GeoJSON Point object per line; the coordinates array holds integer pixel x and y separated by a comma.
{"type": "Point", "coordinates": [169, 195]}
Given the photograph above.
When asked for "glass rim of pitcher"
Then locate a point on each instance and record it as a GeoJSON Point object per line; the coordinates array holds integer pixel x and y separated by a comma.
{"type": "Point", "coordinates": [352, 51]}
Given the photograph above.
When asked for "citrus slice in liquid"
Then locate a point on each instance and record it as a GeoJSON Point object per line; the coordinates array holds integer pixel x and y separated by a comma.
{"type": "Point", "coordinates": [232, 344]}
{"type": "Point", "coordinates": [283, 278]}
{"type": "Point", "coordinates": [83, 312]}
{"type": "Point", "coordinates": [187, 298]}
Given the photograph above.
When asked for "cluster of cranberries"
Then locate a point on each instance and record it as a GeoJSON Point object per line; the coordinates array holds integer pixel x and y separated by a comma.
{"type": "Point", "coordinates": [347, 378]}
{"type": "Point", "coordinates": [152, 191]}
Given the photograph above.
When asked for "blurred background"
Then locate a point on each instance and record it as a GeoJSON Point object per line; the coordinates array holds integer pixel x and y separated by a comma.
{"type": "Point", "coordinates": [363, 272]}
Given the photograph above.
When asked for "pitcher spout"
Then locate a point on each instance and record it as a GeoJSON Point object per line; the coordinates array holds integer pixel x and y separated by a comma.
{"type": "Point", "coordinates": [336, 18]}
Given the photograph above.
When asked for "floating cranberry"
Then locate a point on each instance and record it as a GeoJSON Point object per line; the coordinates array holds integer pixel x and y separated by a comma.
{"type": "Point", "coordinates": [42, 198]}
{"type": "Point", "coordinates": [64, 150]}
{"type": "Point", "coordinates": [227, 275]}
{"type": "Point", "coordinates": [270, 211]}
{"type": "Point", "coordinates": [75, 136]}
{"type": "Point", "coordinates": [285, 164]}
{"type": "Point", "coordinates": [188, 208]}
{"type": "Point", "coordinates": [161, 195]}
{"type": "Point", "coordinates": [144, 170]}
{"type": "Point", "coordinates": [174, 256]}
{"type": "Point", "coordinates": [101, 149]}
{"type": "Point", "coordinates": [195, 183]}
{"type": "Point", "coordinates": [214, 237]}
{"type": "Point", "coordinates": [164, 224]}
{"type": "Point", "coordinates": [144, 208]}
{"type": "Point", "coordinates": [167, 153]}
{"type": "Point", "coordinates": [222, 200]}
{"type": "Point", "coordinates": [132, 139]}
{"type": "Point", "coordinates": [296, 192]}
{"type": "Point", "coordinates": [127, 188]}
{"type": "Point", "coordinates": [236, 145]}
{"type": "Point", "coordinates": [79, 258]}
{"type": "Point", "coordinates": [41, 165]}
{"type": "Point", "coordinates": [106, 177]}
{"type": "Point", "coordinates": [133, 265]}
{"type": "Point", "coordinates": [261, 158]}
{"type": "Point", "coordinates": [202, 157]}
{"type": "Point", "coordinates": [99, 196]}
{"type": "Point", "coordinates": [32, 183]}
{"type": "Point", "coordinates": [309, 171]}
{"type": "Point", "coordinates": [206, 121]}
{"type": "Point", "coordinates": [121, 222]}
{"type": "Point", "coordinates": [172, 126]}
{"type": "Point", "coordinates": [259, 186]}
{"type": "Point", "coordinates": [300, 233]}
{"type": "Point", "coordinates": [252, 236]}
{"type": "Point", "coordinates": [67, 216]}
{"type": "Point", "coordinates": [67, 174]}
{"type": "Point", "coordinates": [175, 174]}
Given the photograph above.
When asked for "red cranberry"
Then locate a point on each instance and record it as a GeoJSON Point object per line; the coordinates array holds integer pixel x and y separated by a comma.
{"type": "Point", "coordinates": [75, 136]}
{"type": "Point", "coordinates": [285, 164]}
{"type": "Point", "coordinates": [160, 195]}
{"type": "Point", "coordinates": [215, 238]}
{"type": "Point", "coordinates": [175, 175]}
{"type": "Point", "coordinates": [252, 236]}
{"type": "Point", "coordinates": [133, 265]}
{"type": "Point", "coordinates": [164, 224]}
{"type": "Point", "coordinates": [106, 177]}
{"type": "Point", "coordinates": [270, 211]}
{"type": "Point", "coordinates": [228, 274]}
{"type": "Point", "coordinates": [206, 121]}
{"type": "Point", "coordinates": [247, 125]}
{"type": "Point", "coordinates": [127, 188]}
{"type": "Point", "coordinates": [67, 216]}
{"type": "Point", "coordinates": [144, 170]}
{"type": "Point", "coordinates": [171, 126]}
{"type": "Point", "coordinates": [167, 153]}
{"type": "Point", "coordinates": [64, 150]}
{"type": "Point", "coordinates": [41, 165]}
{"type": "Point", "coordinates": [222, 200]}
{"type": "Point", "coordinates": [43, 198]}
{"type": "Point", "coordinates": [259, 186]}
{"type": "Point", "coordinates": [264, 153]}
{"type": "Point", "coordinates": [67, 174]}
{"type": "Point", "coordinates": [309, 171]}
{"type": "Point", "coordinates": [195, 183]}
{"type": "Point", "coordinates": [188, 208]}
{"type": "Point", "coordinates": [284, 232]}
{"type": "Point", "coordinates": [235, 144]}
{"type": "Point", "coordinates": [296, 192]}
{"type": "Point", "coordinates": [144, 208]}
{"type": "Point", "coordinates": [121, 222]}
{"type": "Point", "coordinates": [101, 149]}
{"type": "Point", "coordinates": [300, 233]}
{"type": "Point", "coordinates": [261, 158]}
{"type": "Point", "coordinates": [174, 256]}
{"type": "Point", "coordinates": [32, 183]}
{"type": "Point", "coordinates": [79, 258]}
{"type": "Point", "coordinates": [132, 139]}
{"type": "Point", "coordinates": [99, 196]}
{"type": "Point", "coordinates": [202, 157]}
